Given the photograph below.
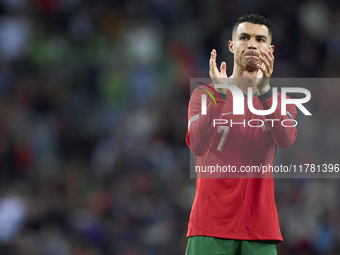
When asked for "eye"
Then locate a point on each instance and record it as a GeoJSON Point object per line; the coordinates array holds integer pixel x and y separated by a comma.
{"type": "Point", "coordinates": [243, 38]}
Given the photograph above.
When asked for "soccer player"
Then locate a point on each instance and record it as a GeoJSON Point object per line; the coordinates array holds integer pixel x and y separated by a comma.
{"type": "Point", "coordinates": [238, 215]}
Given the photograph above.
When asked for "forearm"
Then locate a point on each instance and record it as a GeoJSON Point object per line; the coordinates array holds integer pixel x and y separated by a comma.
{"type": "Point", "coordinates": [282, 127]}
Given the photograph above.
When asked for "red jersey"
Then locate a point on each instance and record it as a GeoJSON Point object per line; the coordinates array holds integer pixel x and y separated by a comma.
{"type": "Point", "coordinates": [236, 208]}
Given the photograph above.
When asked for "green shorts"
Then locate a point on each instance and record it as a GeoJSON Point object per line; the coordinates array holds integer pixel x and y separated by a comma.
{"type": "Point", "coordinates": [206, 245]}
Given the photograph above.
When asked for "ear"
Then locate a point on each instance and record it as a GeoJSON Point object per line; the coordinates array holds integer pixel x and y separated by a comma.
{"type": "Point", "coordinates": [271, 47]}
{"type": "Point", "coordinates": [231, 46]}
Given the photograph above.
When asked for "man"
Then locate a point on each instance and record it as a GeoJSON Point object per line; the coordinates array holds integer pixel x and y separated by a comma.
{"type": "Point", "coordinates": [238, 215]}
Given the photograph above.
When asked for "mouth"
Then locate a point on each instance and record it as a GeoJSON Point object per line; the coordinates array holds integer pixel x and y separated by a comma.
{"type": "Point", "coordinates": [252, 54]}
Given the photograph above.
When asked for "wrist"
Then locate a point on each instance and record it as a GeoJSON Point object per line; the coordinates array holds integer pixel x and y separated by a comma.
{"type": "Point", "coordinates": [263, 90]}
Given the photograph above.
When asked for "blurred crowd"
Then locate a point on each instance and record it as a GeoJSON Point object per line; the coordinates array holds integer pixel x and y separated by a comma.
{"type": "Point", "coordinates": [93, 107]}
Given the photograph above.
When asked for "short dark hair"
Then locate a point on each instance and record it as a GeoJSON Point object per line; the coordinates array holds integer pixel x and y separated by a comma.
{"type": "Point", "coordinates": [255, 19]}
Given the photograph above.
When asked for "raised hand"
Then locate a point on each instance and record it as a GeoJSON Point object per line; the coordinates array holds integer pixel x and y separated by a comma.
{"type": "Point", "coordinates": [265, 69]}
{"type": "Point", "coordinates": [217, 77]}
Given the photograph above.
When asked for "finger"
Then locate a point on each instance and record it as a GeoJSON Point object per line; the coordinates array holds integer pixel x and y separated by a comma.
{"type": "Point", "coordinates": [272, 57]}
{"type": "Point", "coordinates": [263, 69]}
{"type": "Point", "coordinates": [223, 68]}
{"type": "Point", "coordinates": [268, 54]}
{"type": "Point", "coordinates": [271, 54]}
{"type": "Point", "coordinates": [212, 63]}
{"type": "Point", "coordinates": [259, 73]}
{"type": "Point", "coordinates": [214, 54]}
{"type": "Point", "coordinates": [265, 63]}
{"type": "Point", "coordinates": [268, 61]}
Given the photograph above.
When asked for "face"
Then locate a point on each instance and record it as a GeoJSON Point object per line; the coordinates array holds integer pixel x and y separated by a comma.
{"type": "Point", "coordinates": [249, 40]}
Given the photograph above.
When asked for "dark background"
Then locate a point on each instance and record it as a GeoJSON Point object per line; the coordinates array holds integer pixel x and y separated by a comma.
{"type": "Point", "coordinates": [93, 117]}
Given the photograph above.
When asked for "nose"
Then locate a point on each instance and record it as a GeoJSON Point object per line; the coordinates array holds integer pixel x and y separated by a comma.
{"type": "Point", "coordinates": [252, 44]}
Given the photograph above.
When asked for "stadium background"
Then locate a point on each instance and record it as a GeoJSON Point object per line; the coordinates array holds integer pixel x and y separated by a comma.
{"type": "Point", "coordinates": [93, 108]}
